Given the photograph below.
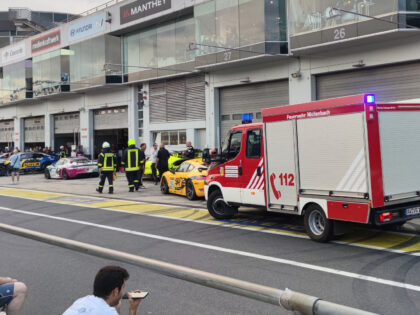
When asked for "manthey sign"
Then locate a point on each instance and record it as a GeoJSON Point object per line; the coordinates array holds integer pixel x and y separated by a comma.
{"type": "Point", "coordinates": [46, 41]}
{"type": "Point", "coordinates": [13, 53]}
{"type": "Point", "coordinates": [87, 27]}
{"type": "Point", "coordinates": [142, 8]}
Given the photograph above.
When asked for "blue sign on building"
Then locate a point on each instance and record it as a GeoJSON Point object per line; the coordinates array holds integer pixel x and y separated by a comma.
{"type": "Point", "coordinates": [88, 26]}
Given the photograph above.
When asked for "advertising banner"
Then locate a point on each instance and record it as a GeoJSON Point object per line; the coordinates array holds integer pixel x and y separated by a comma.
{"type": "Point", "coordinates": [87, 27]}
{"type": "Point", "coordinates": [142, 8]}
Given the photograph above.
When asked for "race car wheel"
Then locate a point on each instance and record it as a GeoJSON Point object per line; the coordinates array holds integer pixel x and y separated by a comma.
{"type": "Point", "coordinates": [190, 191]}
{"type": "Point", "coordinates": [318, 227]}
{"type": "Point", "coordinates": [47, 173]}
{"type": "Point", "coordinates": [164, 188]}
{"type": "Point", "coordinates": [44, 166]}
{"type": "Point", "coordinates": [65, 175]}
{"type": "Point", "coordinates": [217, 206]}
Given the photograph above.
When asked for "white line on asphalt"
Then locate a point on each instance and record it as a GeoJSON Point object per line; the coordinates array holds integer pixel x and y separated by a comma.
{"type": "Point", "coordinates": [230, 251]}
{"type": "Point", "coordinates": [227, 225]}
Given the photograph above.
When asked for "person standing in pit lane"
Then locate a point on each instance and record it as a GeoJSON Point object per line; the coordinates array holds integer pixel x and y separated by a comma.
{"type": "Point", "coordinates": [131, 164]}
{"type": "Point", "coordinates": [107, 165]}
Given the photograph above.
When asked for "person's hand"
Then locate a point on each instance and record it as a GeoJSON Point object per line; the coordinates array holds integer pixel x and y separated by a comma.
{"type": "Point", "coordinates": [134, 303]}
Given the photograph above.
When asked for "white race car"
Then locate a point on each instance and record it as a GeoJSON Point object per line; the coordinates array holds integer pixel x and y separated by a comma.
{"type": "Point", "coordinates": [71, 168]}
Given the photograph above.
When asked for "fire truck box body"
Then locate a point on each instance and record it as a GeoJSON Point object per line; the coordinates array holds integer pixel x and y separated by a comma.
{"type": "Point", "coordinates": [348, 158]}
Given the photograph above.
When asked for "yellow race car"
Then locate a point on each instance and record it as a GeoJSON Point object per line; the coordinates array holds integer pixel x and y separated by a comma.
{"type": "Point", "coordinates": [187, 180]}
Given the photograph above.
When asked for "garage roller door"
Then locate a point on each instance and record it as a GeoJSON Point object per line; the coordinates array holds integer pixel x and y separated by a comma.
{"type": "Point", "coordinates": [6, 130]}
{"type": "Point", "coordinates": [251, 98]}
{"type": "Point", "coordinates": [391, 83]}
{"type": "Point", "coordinates": [111, 118]}
{"type": "Point", "coordinates": [34, 130]}
{"type": "Point", "coordinates": [66, 123]}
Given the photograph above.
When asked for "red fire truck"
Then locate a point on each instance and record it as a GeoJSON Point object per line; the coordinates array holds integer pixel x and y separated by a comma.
{"type": "Point", "coordinates": [343, 159]}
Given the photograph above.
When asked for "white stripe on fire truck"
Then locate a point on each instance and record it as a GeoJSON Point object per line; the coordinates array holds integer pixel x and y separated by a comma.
{"type": "Point", "coordinates": [261, 185]}
{"type": "Point", "coordinates": [358, 174]}
{"type": "Point", "coordinates": [351, 169]}
{"type": "Point", "coordinates": [362, 178]}
{"type": "Point", "coordinates": [258, 181]}
{"type": "Point", "coordinates": [253, 178]}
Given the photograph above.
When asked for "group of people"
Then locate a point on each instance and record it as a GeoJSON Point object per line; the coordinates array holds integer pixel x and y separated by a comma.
{"type": "Point", "coordinates": [108, 291]}
{"type": "Point", "coordinates": [133, 162]}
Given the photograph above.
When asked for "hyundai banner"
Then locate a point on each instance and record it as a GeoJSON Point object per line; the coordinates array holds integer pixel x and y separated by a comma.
{"type": "Point", "coordinates": [87, 27]}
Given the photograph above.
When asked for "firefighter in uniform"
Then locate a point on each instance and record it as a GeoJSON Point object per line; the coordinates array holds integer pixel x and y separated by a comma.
{"type": "Point", "coordinates": [107, 165]}
{"type": "Point", "coordinates": [131, 164]}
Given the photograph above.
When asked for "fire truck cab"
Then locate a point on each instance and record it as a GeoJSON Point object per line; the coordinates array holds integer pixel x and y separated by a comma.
{"type": "Point", "coordinates": [347, 159]}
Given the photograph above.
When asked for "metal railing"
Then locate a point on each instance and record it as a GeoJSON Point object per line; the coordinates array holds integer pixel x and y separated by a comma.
{"type": "Point", "coordinates": [290, 300]}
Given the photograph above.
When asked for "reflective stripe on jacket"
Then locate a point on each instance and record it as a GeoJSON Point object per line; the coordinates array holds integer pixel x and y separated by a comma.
{"type": "Point", "coordinates": [106, 161]}
{"type": "Point", "coordinates": [131, 160]}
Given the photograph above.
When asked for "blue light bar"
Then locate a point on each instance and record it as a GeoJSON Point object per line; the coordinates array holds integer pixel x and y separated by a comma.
{"type": "Point", "coordinates": [370, 98]}
{"type": "Point", "coordinates": [247, 118]}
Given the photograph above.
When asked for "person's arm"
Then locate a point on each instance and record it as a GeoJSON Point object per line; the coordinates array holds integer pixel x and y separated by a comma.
{"type": "Point", "coordinates": [134, 305]}
{"type": "Point", "coordinates": [4, 280]}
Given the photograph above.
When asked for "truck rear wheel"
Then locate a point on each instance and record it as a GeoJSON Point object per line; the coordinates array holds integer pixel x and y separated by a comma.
{"type": "Point", "coordinates": [318, 227]}
{"type": "Point", "coordinates": [217, 206]}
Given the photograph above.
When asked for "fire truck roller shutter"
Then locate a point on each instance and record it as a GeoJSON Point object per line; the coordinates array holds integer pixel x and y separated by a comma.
{"type": "Point", "coordinates": [250, 98]}
{"type": "Point", "coordinates": [390, 83]}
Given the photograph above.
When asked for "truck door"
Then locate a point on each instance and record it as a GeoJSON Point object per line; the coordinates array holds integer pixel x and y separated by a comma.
{"type": "Point", "coordinates": [232, 168]}
{"type": "Point", "coordinates": [252, 178]}
{"type": "Point", "coordinates": [280, 141]}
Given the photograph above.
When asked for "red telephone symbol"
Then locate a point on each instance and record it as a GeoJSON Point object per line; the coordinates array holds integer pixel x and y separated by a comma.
{"type": "Point", "coordinates": [276, 192]}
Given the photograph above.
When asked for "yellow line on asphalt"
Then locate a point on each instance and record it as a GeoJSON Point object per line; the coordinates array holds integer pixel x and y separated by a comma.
{"type": "Point", "coordinates": [362, 237]}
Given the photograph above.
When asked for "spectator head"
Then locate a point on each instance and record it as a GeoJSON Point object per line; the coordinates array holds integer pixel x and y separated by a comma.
{"type": "Point", "coordinates": [155, 146]}
{"type": "Point", "coordinates": [162, 145]}
{"type": "Point", "coordinates": [188, 143]}
{"type": "Point", "coordinates": [109, 284]}
{"type": "Point", "coordinates": [143, 146]}
{"type": "Point", "coordinates": [15, 151]}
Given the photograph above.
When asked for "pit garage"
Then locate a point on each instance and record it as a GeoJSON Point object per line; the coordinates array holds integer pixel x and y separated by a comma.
{"type": "Point", "coordinates": [6, 134]}
{"type": "Point", "coordinates": [34, 132]}
{"type": "Point", "coordinates": [66, 130]}
{"type": "Point", "coordinates": [111, 125]}
{"type": "Point", "coordinates": [393, 83]}
{"type": "Point", "coordinates": [249, 99]}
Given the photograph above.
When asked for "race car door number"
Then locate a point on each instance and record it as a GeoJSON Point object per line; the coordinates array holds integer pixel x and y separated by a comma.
{"type": "Point", "coordinates": [412, 211]}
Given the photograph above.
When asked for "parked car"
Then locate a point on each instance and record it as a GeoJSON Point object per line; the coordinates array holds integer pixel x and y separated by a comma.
{"type": "Point", "coordinates": [188, 180]}
{"type": "Point", "coordinates": [34, 161]}
{"type": "Point", "coordinates": [71, 168]}
{"type": "Point", "coordinates": [174, 162]}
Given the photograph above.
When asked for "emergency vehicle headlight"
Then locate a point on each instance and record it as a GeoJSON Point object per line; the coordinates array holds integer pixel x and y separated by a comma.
{"type": "Point", "coordinates": [369, 98]}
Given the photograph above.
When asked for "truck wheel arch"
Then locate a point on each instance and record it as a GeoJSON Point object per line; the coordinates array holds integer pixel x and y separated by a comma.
{"type": "Point", "coordinates": [213, 188]}
{"type": "Point", "coordinates": [320, 203]}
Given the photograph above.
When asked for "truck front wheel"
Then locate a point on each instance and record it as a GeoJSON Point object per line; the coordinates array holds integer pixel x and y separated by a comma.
{"type": "Point", "coordinates": [218, 207]}
{"type": "Point", "coordinates": [318, 227]}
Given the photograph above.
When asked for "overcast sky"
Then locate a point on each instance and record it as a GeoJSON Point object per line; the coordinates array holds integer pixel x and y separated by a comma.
{"type": "Point", "coordinates": [69, 6]}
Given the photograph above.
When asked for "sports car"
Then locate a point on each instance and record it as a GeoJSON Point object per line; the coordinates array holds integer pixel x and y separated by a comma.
{"type": "Point", "coordinates": [174, 162]}
{"type": "Point", "coordinates": [34, 161]}
{"type": "Point", "coordinates": [71, 168]}
{"type": "Point", "coordinates": [187, 180]}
